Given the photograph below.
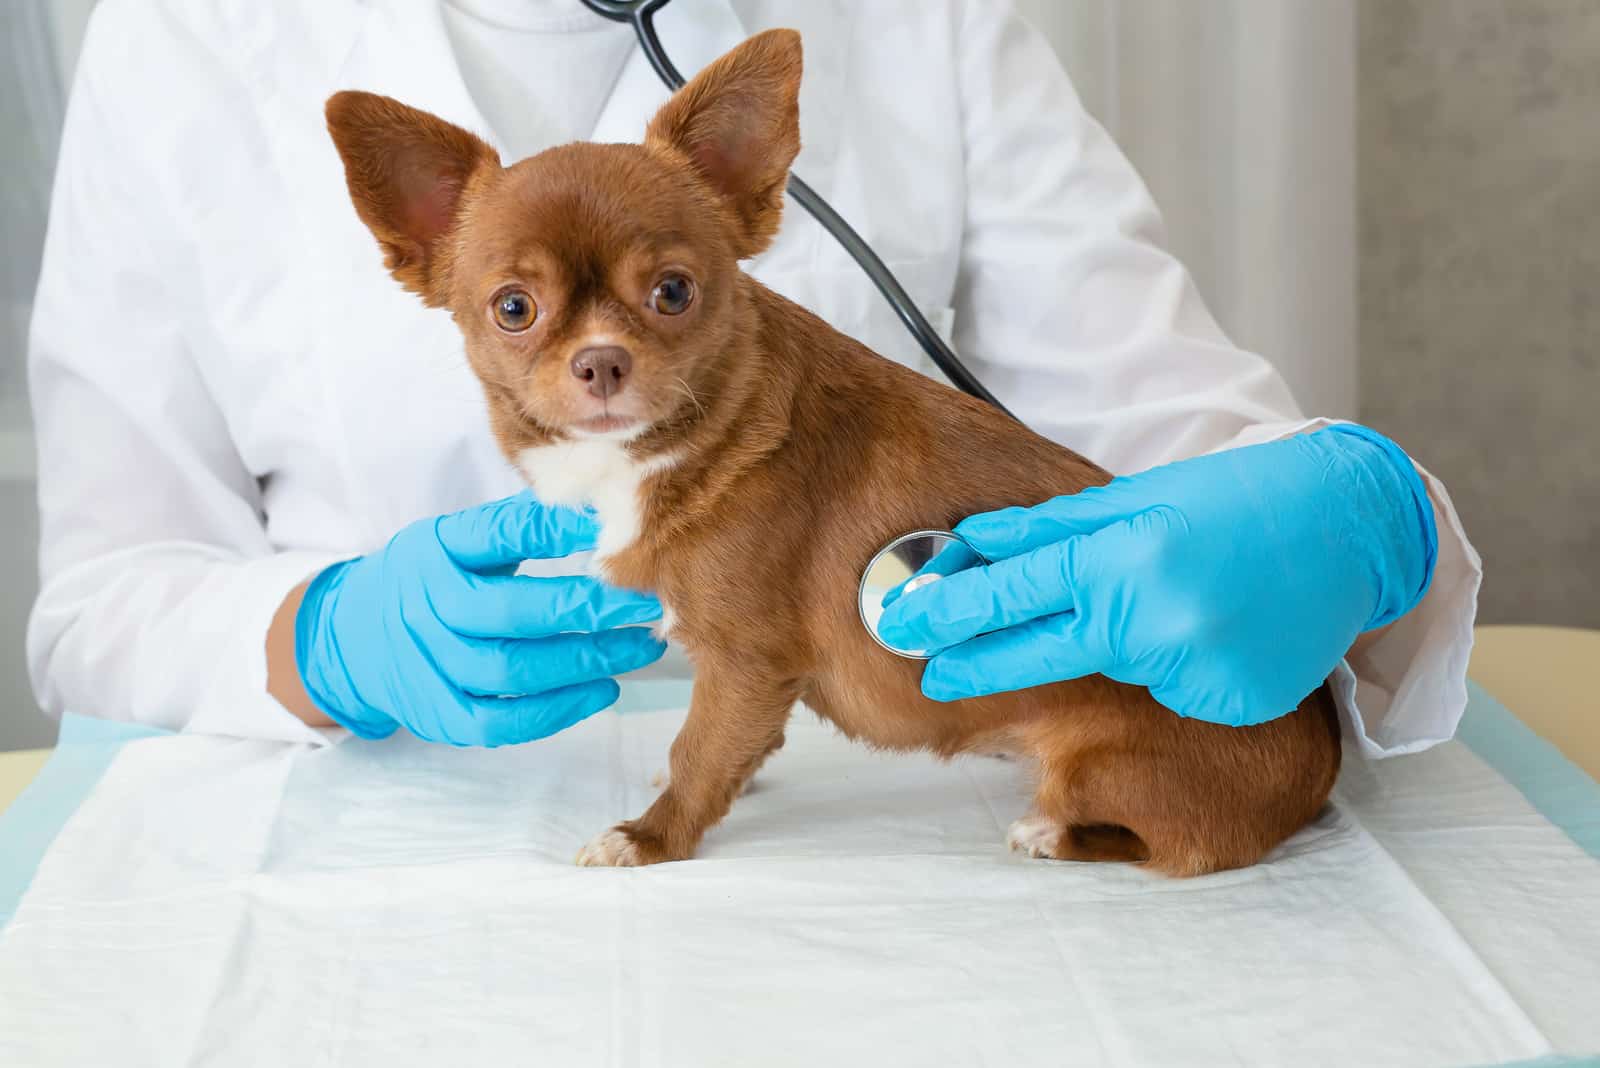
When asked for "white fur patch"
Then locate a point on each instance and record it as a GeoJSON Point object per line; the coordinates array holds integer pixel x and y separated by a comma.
{"type": "Point", "coordinates": [595, 471]}
{"type": "Point", "coordinates": [1036, 836]}
{"type": "Point", "coordinates": [662, 628]}
{"type": "Point", "coordinates": [609, 849]}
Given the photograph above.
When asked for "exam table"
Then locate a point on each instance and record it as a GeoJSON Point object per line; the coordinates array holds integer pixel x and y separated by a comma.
{"type": "Point", "coordinates": [855, 907]}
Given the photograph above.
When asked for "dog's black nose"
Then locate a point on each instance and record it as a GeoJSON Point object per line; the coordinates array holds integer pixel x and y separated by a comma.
{"type": "Point", "coordinates": [603, 368]}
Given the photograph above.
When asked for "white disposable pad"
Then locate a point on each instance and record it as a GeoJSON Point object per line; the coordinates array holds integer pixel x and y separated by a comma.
{"type": "Point", "coordinates": [222, 902]}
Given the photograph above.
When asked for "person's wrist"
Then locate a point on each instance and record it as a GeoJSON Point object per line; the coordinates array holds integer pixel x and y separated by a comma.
{"type": "Point", "coordinates": [283, 675]}
{"type": "Point", "coordinates": [321, 666]}
{"type": "Point", "coordinates": [1407, 545]}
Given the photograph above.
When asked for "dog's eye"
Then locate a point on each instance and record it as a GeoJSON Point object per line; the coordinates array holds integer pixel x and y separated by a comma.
{"type": "Point", "coordinates": [514, 311]}
{"type": "Point", "coordinates": [672, 295]}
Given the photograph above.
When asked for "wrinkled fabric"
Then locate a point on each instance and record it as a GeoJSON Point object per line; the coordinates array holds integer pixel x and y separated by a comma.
{"type": "Point", "coordinates": [259, 903]}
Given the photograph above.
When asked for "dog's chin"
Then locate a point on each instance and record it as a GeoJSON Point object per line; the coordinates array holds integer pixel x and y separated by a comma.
{"type": "Point", "coordinates": [608, 426]}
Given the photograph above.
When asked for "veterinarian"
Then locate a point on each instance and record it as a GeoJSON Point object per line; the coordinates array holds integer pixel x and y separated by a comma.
{"type": "Point", "coordinates": [262, 466]}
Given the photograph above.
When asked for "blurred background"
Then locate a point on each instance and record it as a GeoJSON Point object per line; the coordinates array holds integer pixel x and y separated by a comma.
{"type": "Point", "coordinates": [1396, 201]}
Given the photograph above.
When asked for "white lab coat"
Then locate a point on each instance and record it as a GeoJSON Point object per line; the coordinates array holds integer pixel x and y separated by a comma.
{"type": "Point", "coordinates": [230, 392]}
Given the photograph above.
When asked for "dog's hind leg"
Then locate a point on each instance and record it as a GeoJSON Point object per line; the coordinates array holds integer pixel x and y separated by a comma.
{"type": "Point", "coordinates": [1108, 803]}
{"type": "Point", "coordinates": [1041, 836]}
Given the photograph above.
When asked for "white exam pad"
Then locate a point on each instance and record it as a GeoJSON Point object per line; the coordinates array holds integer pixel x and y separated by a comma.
{"type": "Point", "coordinates": [219, 902]}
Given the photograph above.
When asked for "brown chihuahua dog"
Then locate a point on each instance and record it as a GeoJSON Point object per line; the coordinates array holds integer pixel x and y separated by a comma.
{"type": "Point", "coordinates": [746, 460]}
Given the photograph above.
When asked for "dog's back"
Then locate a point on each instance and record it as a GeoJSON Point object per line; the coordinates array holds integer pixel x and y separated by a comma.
{"type": "Point", "coordinates": [876, 450]}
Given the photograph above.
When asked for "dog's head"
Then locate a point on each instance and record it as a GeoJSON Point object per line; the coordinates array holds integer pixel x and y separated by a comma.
{"type": "Point", "coordinates": [597, 286]}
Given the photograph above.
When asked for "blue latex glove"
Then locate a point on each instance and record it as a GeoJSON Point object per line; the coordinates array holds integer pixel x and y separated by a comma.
{"type": "Point", "coordinates": [436, 632]}
{"type": "Point", "coordinates": [1230, 585]}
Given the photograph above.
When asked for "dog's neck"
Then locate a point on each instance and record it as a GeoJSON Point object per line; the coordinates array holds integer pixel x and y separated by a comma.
{"type": "Point", "coordinates": [598, 473]}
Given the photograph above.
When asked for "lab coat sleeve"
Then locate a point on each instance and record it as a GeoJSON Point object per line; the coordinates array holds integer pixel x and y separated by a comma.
{"type": "Point", "coordinates": [158, 581]}
{"type": "Point", "coordinates": [1076, 315]}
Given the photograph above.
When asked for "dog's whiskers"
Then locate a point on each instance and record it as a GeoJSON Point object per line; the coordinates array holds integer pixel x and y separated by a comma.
{"type": "Point", "coordinates": [694, 398]}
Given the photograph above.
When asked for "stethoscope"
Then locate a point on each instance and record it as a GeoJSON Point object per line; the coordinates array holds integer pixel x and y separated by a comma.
{"type": "Point", "coordinates": [921, 556]}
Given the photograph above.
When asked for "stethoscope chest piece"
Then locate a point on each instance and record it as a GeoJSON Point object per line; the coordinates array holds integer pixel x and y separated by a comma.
{"type": "Point", "coordinates": [908, 563]}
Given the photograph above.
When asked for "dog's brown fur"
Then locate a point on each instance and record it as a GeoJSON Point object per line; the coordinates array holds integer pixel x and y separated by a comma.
{"type": "Point", "coordinates": [799, 453]}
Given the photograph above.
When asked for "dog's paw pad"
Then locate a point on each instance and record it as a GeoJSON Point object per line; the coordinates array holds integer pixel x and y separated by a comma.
{"type": "Point", "coordinates": [610, 849]}
{"type": "Point", "coordinates": [1036, 836]}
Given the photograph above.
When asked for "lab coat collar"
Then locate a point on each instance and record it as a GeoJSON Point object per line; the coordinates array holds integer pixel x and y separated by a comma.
{"type": "Point", "coordinates": [408, 55]}
{"type": "Point", "coordinates": [405, 52]}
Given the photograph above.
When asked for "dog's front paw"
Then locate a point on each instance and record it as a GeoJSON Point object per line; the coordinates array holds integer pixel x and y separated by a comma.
{"type": "Point", "coordinates": [621, 847]}
{"type": "Point", "coordinates": [610, 849]}
{"type": "Point", "coordinates": [1036, 836]}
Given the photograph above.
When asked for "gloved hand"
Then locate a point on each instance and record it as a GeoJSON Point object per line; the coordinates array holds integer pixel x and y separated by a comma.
{"type": "Point", "coordinates": [1230, 585]}
{"type": "Point", "coordinates": [436, 633]}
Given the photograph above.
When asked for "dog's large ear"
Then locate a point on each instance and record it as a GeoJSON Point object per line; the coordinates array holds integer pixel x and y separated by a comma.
{"type": "Point", "coordinates": [738, 124]}
{"type": "Point", "coordinates": [407, 171]}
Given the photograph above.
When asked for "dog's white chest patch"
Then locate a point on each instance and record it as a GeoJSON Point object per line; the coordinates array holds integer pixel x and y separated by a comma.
{"type": "Point", "coordinates": [663, 626]}
{"type": "Point", "coordinates": [599, 473]}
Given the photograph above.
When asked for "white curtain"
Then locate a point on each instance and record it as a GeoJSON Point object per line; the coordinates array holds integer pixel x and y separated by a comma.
{"type": "Point", "coordinates": [33, 76]}
{"type": "Point", "coordinates": [39, 42]}
{"type": "Point", "coordinates": [30, 116]}
{"type": "Point", "coordinates": [1240, 114]}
